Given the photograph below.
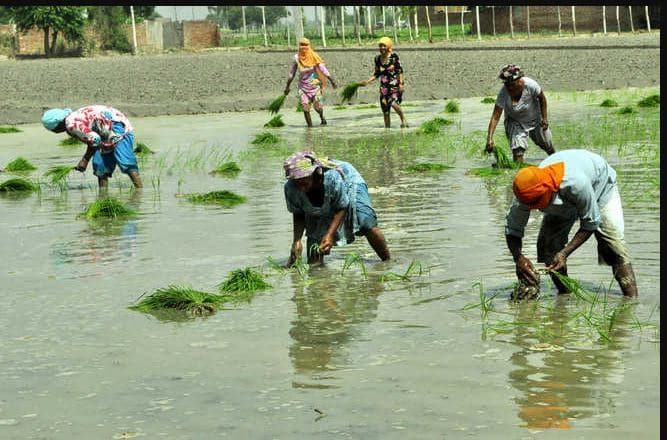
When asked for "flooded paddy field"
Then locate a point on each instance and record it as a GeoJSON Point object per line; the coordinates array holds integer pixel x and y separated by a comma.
{"type": "Point", "coordinates": [426, 345]}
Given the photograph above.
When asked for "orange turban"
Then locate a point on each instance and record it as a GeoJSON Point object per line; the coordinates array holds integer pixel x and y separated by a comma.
{"type": "Point", "coordinates": [309, 58]}
{"type": "Point", "coordinates": [535, 186]}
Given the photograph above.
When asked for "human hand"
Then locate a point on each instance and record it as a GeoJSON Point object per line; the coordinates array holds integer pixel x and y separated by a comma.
{"type": "Point", "coordinates": [558, 262]}
{"type": "Point", "coordinates": [525, 271]}
{"type": "Point", "coordinates": [82, 165]}
{"type": "Point", "coordinates": [489, 147]}
{"type": "Point", "coordinates": [295, 253]}
{"type": "Point", "coordinates": [401, 87]}
{"type": "Point", "coordinates": [286, 91]}
{"type": "Point", "coordinates": [544, 124]}
{"type": "Point", "coordinates": [326, 243]}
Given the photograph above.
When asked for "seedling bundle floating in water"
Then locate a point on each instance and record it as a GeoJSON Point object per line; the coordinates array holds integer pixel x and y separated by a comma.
{"type": "Point", "coordinates": [434, 125]}
{"type": "Point", "coordinates": [70, 141]}
{"type": "Point", "coordinates": [265, 138]}
{"type": "Point", "coordinates": [9, 129]}
{"type": "Point", "coordinates": [223, 198]}
{"type": "Point", "coordinates": [59, 173]}
{"type": "Point", "coordinates": [227, 169]}
{"type": "Point", "coordinates": [19, 165]}
{"type": "Point", "coordinates": [276, 121]}
{"type": "Point", "coordinates": [107, 207]}
{"type": "Point", "coordinates": [185, 299]}
{"type": "Point", "coordinates": [427, 166]}
{"type": "Point", "coordinates": [276, 104]}
{"type": "Point", "coordinates": [142, 149]}
{"type": "Point", "coordinates": [17, 184]}
{"type": "Point", "coordinates": [241, 284]}
{"type": "Point", "coordinates": [349, 91]}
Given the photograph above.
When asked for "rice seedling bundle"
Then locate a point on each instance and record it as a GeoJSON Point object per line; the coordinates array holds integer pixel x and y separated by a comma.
{"type": "Point", "coordinates": [299, 107]}
{"type": "Point", "coordinates": [609, 103]}
{"type": "Point", "coordinates": [502, 159]}
{"type": "Point", "coordinates": [70, 141]}
{"type": "Point", "coordinates": [186, 299]}
{"type": "Point", "coordinates": [276, 121]}
{"type": "Point", "coordinates": [349, 91]}
{"type": "Point", "coordinates": [276, 104]}
{"type": "Point", "coordinates": [19, 165]}
{"type": "Point", "coordinates": [244, 280]}
{"type": "Point", "coordinates": [627, 110]}
{"type": "Point", "coordinates": [488, 100]}
{"type": "Point", "coordinates": [9, 129]}
{"type": "Point", "coordinates": [142, 148]}
{"type": "Point", "coordinates": [265, 138]}
{"type": "Point", "coordinates": [650, 101]}
{"type": "Point", "coordinates": [107, 207]}
{"type": "Point", "coordinates": [58, 174]}
{"type": "Point", "coordinates": [227, 169]}
{"type": "Point", "coordinates": [434, 125]}
{"type": "Point", "coordinates": [452, 107]}
{"type": "Point", "coordinates": [427, 166]}
{"type": "Point", "coordinates": [223, 198]}
{"type": "Point", "coordinates": [17, 184]}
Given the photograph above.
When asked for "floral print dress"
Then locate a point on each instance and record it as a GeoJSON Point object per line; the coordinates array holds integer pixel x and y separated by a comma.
{"type": "Point", "coordinates": [310, 86]}
{"type": "Point", "coordinates": [388, 74]}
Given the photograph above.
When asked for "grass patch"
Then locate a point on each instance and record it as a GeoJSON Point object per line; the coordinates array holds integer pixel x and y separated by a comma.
{"type": "Point", "coordinates": [427, 166]}
{"type": "Point", "coordinates": [276, 121]}
{"type": "Point", "coordinates": [627, 110]}
{"type": "Point", "coordinates": [58, 174]}
{"type": "Point", "coordinates": [70, 141]}
{"type": "Point", "coordinates": [349, 91]}
{"type": "Point", "coordinates": [266, 138]}
{"type": "Point", "coordinates": [488, 100]}
{"type": "Point", "coordinates": [222, 198]}
{"type": "Point", "coordinates": [609, 103]}
{"type": "Point", "coordinates": [185, 299]}
{"type": "Point", "coordinates": [650, 101]}
{"type": "Point", "coordinates": [17, 184]}
{"type": "Point", "coordinates": [452, 107]}
{"type": "Point", "coordinates": [227, 169]}
{"type": "Point", "coordinates": [9, 129]}
{"type": "Point", "coordinates": [241, 284]}
{"type": "Point", "coordinates": [19, 165]}
{"type": "Point", "coordinates": [142, 149]}
{"type": "Point", "coordinates": [107, 207]}
{"type": "Point", "coordinates": [434, 125]}
{"type": "Point", "coordinates": [275, 105]}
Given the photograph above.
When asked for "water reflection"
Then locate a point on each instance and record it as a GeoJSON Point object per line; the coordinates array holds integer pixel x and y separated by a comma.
{"type": "Point", "coordinates": [561, 379]}
{"type": "Point", "coordinates": [330, 313]}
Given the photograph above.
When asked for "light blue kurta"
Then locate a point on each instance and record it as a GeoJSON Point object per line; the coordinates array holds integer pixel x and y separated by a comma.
{"type": "Point", "coordinates": [340, 192]}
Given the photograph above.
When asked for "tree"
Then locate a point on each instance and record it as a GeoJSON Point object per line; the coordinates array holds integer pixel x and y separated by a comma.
{"type": "Point", "coordinates": [5, 15]}
{"type": "Point", "coordinates": [109, 21]}
{"type": "Point", "coordinates": [53, 21]}
{"type": "Point", "coordinates": [142, 13]}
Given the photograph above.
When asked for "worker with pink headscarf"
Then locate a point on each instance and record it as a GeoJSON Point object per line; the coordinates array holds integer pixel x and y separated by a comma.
{"type": "Point", "coordinates": [313, 76]}
{"type": "Point", "coordinates": [569, 185]}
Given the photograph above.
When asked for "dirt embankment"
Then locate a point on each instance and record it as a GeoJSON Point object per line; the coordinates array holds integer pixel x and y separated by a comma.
{"type": "Point", "coordinates": [236, 80]}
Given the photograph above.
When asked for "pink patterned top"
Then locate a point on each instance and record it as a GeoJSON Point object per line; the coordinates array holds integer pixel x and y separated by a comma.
{"type": "Point", "coordinates": [94, 125]}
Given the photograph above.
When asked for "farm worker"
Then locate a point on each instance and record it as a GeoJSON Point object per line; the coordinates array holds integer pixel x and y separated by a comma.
{"type": "Point", "coordinates": [566, 186]}
{"type": "Point", "coordinates": [109, 137]}
{"type": "Point", "coordinates": [389, 70]}
{"type": "Point", "coordinates": [313, 76]}
{"type": "Point", "coordinates": [525, 108]}
{"type": "Point", "coordinates": [328, 200]}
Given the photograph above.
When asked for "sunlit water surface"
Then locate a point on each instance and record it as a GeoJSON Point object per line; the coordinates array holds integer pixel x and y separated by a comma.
{"type": "Point", "coordinates": [336, 355]}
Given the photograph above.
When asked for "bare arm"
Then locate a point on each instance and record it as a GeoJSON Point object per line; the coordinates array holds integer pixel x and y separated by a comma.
{"type": "Point", "coordinates": [298, 227]}
{"type": "Point", "coordinates": [560, 259]}
{"type": "Point", "coordinates": [292, 73]}
{"type": "Point", "coordinates": [83, 163]}
{"type": "Point", "coordinates": [327, 241]}
{"type": "Point", "coordinates": [543, 108]}
{"type": "Point", "coordinates": [495, 117]}
{"type": "Point", "coordinates": [525, 271]}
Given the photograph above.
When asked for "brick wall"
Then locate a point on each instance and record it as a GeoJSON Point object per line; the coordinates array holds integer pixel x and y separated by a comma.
{"type": "Point", "coordinates": [200, 34]}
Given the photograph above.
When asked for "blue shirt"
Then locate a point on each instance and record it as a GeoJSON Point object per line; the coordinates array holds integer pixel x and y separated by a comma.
{"type": "Point", "coordinates": [586, 187]}
{"type": "Point", "coordinates": [340, 192]}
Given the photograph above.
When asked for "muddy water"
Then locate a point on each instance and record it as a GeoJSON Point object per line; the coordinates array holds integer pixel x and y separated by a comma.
{"type": "Point", "coordinates": [334, 355]}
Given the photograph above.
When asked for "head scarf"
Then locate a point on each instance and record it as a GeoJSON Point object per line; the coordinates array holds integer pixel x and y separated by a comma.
{"type": "Point", "coordinates": [535, 186]}
{"type": "Point", "coordinates": [307, 58]}
{"type": "Point", "coordinates": [387, 42]}
{"type": "Point", "coordinates": [510, 72]}
{"type": "Point", "coordinates": [304, 163]}
{"type": "Point", "coordinates": [53, 117]}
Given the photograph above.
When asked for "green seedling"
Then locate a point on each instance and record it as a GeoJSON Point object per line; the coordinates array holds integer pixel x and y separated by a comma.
{"type": "Point", "coordinates": [627, 110]}
{"type": "Point", "coordinates": [241, 284]}
{"type": "Point", "coordinates": [488, 100]}
{"type": "Point", "coordinates": [227, 169]}
{"type": "Point", "coordinates": [609, 103]}
{"type": "Point", "coordinates": [352, 259]}
{"type": "Point", "coordinates": [276, 121]}
{"type": "Point", "coordinates": [17, 184]}
{"type": "Point", "coordinates": [142, 149]}
{"type": "Point", "coordinates": [349, 91]}
{"type": "Point", "coordinates": [223, 198]}
{"type": "Point", "coordinates": [277, 104]}
{"type": "Point", "coordinates": [59, 173]}
{"type": "Point", "coordinates": [415, 268]}
{"type": "Point", "coordinates": [9, 129]}
{"type": "Point", "coordinates": [452, 107]}
{"type": "Point", "coordinates": [185, 299]}
{"type": "Point", "coordinates": [428, 167]}
{"type": "Point", "coordinates": [650, 101]}
{"type": "Point", "coordinates": [19, 165]}
{"type": "Point", "coordinates": [434, 125]}
{"type": "Point", "coordinates": [107, 207]}
{"type": "Point", "coordinates": [70, 141]}
{"type": "Point", "coordinates": [266, 138]}
{"type": "Point", "coordinates": [485, 303]}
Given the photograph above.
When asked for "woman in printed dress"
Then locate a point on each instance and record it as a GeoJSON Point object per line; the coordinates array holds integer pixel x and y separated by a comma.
{"type": "Point", "coordinates": [313, 76]}
{"type": "Point", "coordinates": [392, 81]}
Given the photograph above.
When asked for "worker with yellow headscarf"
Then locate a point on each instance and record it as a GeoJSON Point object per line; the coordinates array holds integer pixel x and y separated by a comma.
{"type": "Point", "coordinates": [313, 76]}
{"type": "Point", "coordinates": [569, 185]}
{"type": "Point", "coordinates": [392, 81]}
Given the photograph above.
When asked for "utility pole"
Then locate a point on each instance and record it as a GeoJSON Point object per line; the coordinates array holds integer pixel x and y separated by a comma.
{"type": "Point", "coordinates": [134, 32]}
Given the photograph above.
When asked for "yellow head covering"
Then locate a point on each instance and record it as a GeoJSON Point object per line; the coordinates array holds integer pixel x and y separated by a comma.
{"type": "Point", "coordinates": [387, 42]}
{"type": "Point", "coordinates": [309, 58]}
{"type": "Point", "coordinates": [534, 186]}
